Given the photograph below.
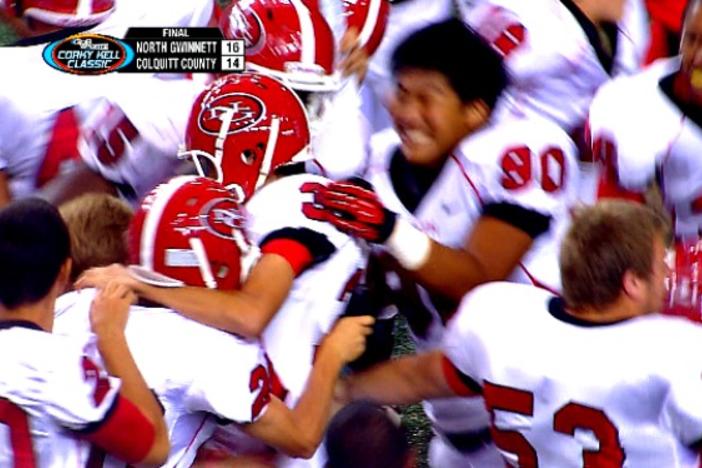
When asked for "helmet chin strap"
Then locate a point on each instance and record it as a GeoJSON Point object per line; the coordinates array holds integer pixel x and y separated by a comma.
{"type": "Point", "coordinates": [268, 155]}
{"type": "Point", "coordinates": [203, 264]}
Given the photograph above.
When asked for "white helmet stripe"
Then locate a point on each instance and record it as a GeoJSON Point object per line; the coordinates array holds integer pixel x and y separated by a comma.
{"type": "Point", "coordinates": [203, 262]}
{"type": "Point", "coordinates": [153, 219]}
{"type": "Point", "coordinates": [309, 46]}
{"type": "Point", "coordinates": [268, 155]}
{"type": "Point", "coordinates": [83, 8]}
{"type": "Point", "coordinates": [371, 20]}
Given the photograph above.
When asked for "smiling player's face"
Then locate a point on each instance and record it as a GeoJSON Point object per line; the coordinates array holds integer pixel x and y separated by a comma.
{"type": "Point", "coordinates": [430, 117]}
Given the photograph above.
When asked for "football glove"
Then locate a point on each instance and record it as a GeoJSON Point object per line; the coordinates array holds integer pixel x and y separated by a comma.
{"type": "Point", "coordinates": [353, 207]}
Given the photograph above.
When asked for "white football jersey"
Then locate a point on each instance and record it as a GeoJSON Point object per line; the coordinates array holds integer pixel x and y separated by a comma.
{"type": "Point", "coordinates": [529, 163]}
{"type": "Point", "coordinates": [39, 135]}
{"type": "Point", "coordinates": [564, 392]}
{"type": "Point", "coordinates": [639, 134]}
{"type": "Point", "coordinates": [553, 67]}
{"type": "Point", "coordinates": [199, 374]}
{"type": "Point", "coordinates": [318, 296]}
{"type": "Point", "coordinates": [50, 386]}
{"type": "Point", "coordinates": [132, 136]}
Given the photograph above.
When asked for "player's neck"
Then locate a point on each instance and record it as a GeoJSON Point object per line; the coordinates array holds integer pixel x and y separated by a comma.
{"type": "Point", "coordinates": [40, 313]}
{"type": "Point", "coordinates": [620, 310]}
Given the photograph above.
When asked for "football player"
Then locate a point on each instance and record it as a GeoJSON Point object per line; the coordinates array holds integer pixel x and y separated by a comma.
{"type": "Point", "coordinates": [30, 18]}
{"type": "Point", "coordinates": [310, 65]}
{"type": "Point", "coordinates": [185, 233]}
{"type": "Point", "coordinates": [558, 53]}
{"type": "Point", "coordinates": [449, 182]}
{"type": "Point", "coordinates": [243, 129]}
{"type": "Point", "coordinates": [646, 129]}
{"type": "Point", "coordinates": [559, 389]}
{"type": "Point", "coordinates": [56, 396]}
{"type": "Point", "coordinates": [128, 139]}
{"type": "Point", "coordinates": [40, 137]}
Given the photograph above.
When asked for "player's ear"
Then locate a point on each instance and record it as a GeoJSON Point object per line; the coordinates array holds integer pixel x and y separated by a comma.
{"type": "Point", "coordinates": [475, 113]}
{"type": "Point", "coordinates": [634, 286]}
{"type": "Point", "coordinates": [64, 276]}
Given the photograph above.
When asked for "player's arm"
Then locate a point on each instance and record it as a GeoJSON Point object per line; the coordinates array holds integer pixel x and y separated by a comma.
{"type": "Point", "coordinates": [299, 431]}
{"type": "Point", "coordinates": [247, 311]}
{"type": "Point", "coordinates": [124, 431]}
{"type": "Point", "coordinates": [75, 183]}
{"type": "Point", "coordinates": [492, 250]}
{"type": "Point", "coordinates": [409, 380]}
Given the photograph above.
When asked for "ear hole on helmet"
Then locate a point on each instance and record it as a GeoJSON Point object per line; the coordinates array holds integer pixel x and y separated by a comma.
{"type": "Point", "coordinates": [248, 156]}
{"type": "Point", "coordinates": [269, 14]}
{"type": "Point", "coordinates": [222, 271]}
{"type": "Point", "coordinates": [260, 146]}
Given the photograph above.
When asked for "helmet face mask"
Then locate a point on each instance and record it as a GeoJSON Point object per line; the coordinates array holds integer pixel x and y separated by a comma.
{"type": "Point", "coordinates": [244, 126]}
{"type": "Point", "coordinates": [190, 230]}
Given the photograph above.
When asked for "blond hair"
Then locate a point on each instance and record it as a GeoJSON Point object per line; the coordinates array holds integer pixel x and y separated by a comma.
{"type": "Point", "coordinates": [97, 224]}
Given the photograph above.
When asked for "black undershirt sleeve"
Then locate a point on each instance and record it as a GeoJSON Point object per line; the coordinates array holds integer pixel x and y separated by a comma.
{"type": "Point", "coordinates": [531, 222]}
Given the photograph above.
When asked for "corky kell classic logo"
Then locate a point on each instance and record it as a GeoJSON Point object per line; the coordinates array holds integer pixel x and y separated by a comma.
{"type": "Point", "coordinates": [88, 54]}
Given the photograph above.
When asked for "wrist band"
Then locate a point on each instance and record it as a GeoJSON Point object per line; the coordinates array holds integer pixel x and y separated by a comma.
{"type": "Point", "coordinates": [408, 245]}
{"type": "Point", "coordinates": [295, 253]}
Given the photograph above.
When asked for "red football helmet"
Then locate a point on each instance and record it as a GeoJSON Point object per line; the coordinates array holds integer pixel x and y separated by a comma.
{"type": "Point", "coordinates": [63, 13]}
{"type": "Point", "coordinates": [245, 125]}
{"type": "Point", "coordinates": [369, 17]}
{"type": "Point", "coordinates": [189, 231]}
{"type": "Point", "coordinates": [286, 39]}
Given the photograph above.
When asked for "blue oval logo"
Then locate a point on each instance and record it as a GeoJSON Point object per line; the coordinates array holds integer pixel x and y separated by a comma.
{"type": "Point", "coordinates": [88, 54]}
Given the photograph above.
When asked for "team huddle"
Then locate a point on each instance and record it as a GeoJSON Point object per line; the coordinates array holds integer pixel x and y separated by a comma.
{"type": "Point", "coordinates": [206, 270]}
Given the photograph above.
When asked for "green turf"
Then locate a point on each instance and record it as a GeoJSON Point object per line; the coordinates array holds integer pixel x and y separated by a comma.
{"type": "Point", "coordinates": [6, 34]}
{"type": "Point", "coordinates": [413, 417]}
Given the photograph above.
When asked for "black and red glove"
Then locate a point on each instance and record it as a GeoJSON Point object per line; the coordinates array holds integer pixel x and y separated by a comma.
{"type": "Point", "coordinates": [353, 207]}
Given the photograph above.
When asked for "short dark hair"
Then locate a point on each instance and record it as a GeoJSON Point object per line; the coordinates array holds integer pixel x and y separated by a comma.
{"type": "Point", "coordinates": [603, 243]}
{"type": "Point", "coordinates": [362, 434]}
{"type": "Point", "coordinates": [473, 68]}
{"type": "Point", "coordinates": [34, 244]}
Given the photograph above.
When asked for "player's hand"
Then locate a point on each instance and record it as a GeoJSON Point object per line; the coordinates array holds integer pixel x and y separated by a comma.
{"type": "Point", "coordinates": [100, 277]}
{"type": "Point", "coordinates": [110, 310]}
{"type": "Point", "coordinates": [347, 340]}
{"type": "Point", "coordinates": [354, 208]}
{"type": "Point", "coordinates": [342, 394]}
{"type": "Point", "coordinates": [355, 61]}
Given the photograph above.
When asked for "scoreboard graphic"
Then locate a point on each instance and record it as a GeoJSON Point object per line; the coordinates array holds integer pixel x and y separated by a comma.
{"type": "Point", "coordinates": [148, 50]}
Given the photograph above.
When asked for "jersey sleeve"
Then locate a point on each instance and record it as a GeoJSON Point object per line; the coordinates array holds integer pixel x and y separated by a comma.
{"type": "Point", "coordinates": [79, 392]}
{"type": "Point", "coordinates": [531, 173]}
{"type": "Point", "coordinates": [528, 49]}
{"type": "Point", "coordinates": [620, 148]}
{"type": "Point", "coordinates": [289, 203]}
{"type": "Point", "coordinates": [236, 390]}
{"type": "Point", "coordinates": [339, 139]}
